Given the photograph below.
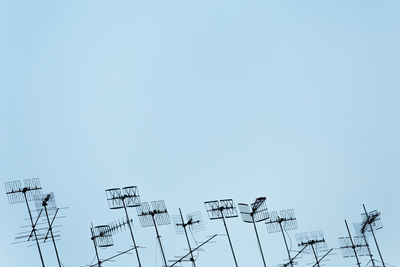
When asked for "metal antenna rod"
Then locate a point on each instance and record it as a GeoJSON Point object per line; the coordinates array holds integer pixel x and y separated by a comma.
{"type": "Point", "coordinates": [373, 234]}
{"type": "Point", "coordinates": [159, 241]}
{"type": "Point", "coordinates": [95, 247]}
{"type": "Point", "coordinates": [259, 242]}
{"type": "Point", "coordinates": [187, 239]}
{"type": "Point", "coordinates": [287, 247]}
{"type": "Point", "coordinates": [352, 244]}
{"type": "Point", "coordinates": [315, 255]}
{"type": "Point", "coordinates": [326, 254]}
{"type": "Point", "coordinates": [33, 226]}
{"type": "Point", "coordinates": [51, 232]}
{"type": "Point", "coordinates": [229, 238]}
{"type": "Point", "coordinates": [130, 228]}
{"type": "Point", "coordinates": [369, 250]}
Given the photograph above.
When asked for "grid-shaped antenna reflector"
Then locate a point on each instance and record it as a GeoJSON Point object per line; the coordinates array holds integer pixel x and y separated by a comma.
{"type": "Point", "coordinates": [228, 208]}
{"type": "Point", "coordinates": [245, 211]}
{"type": "Point", "coordinates": [372, 218]}
{"type": "Point", "coordinates": [260, 210]}
{"type": "Point", "coordinates": [316, 239]}
{"type": "Point", "coordinates": [160, 211]}
{"type": "Point", "coordinates": [286, 217]}
{"type": "Point", "coordinates": [144, 214]}
{"type": "Point", "coordinates": [346, 247]}
{"type": "Point", "coordinates": [195, 220]}
{"type": "Point", "coordinates": [103, 236]}
{"type": "Point", "coordinates": [360, 246]}
{"type": "Point", "coordinates": [114, 198]}
{"type": "Point", "coordinates": [213, 209]}
{"type": "Point", "coordinates": [289, 219]}
{"type": "Point", "coordinates": [273, 223]}
{"type": "Point", "coordinates": [131, 194]}
{"type": "Point", "coordinates": [14, 192]}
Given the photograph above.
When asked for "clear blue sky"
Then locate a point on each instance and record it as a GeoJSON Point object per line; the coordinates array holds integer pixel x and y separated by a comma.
{"type": "Point", "coordinates": [195, 100]}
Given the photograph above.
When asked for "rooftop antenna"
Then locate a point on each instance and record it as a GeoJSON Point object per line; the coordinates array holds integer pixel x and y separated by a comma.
{"type": "Point", "coordinates": [314, 241]}
{"type": "Point", "coordinates": [371, 222]}
{"type": "Point", "coordinates": [221, 210]}
{"type": "Point", "coordinates": [49, 206]}
{"type": "Point", "coordinates": [194, 223]}
{"type": "Point", "coordinates": [256, 212]}
{"type": "Point", "coordinates": [353, 246]}
{"type": "Point", "coordinates": [156, 214]}
{"type": "Point", "coordinates": [285, 221]}
{"type": "Point", "coordinates": [127, 197]}
{"type": "Point", "coordinates": [30, 191]}
{"type": "Point", "coordinates": [101, 237]}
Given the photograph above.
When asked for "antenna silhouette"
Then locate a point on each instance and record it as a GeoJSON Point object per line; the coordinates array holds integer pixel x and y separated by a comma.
{"type": "Point", "coordinates": [127, 197]}
{"type": "Point", "coordinates": [257, 212]}
{"type": "Point", "coordinates": [194, 223]}
{"type": "Point", "coordinates": [49, 204]}
{"type": "Point", "coordinates": [157, 215]}
{"type": "Point", "coordinates": [221, 210]}
{"type": "Point", "coordinates": [101, 237]}
{"type": "Point", "coordinates": [371, 222]}
{"type": "Point", "coordinates": [30, 191]}
{"type": "Point", "coordinates": [285, 221]}
{"type": "Point", "coordinates": [314, 241]}
{"type": "Point", "coordinates": [353, 246]}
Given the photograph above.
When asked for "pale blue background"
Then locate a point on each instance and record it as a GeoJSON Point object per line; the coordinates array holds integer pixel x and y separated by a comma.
{"type": "Point", "coordinates": [200, 100]}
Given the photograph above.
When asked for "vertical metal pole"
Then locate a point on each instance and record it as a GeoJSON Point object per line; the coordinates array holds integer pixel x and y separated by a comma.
{"type": "Point", "coordinates": [130, 228]}
{"type": "Point", "coordinates": [95, 247]}
{"type": "Point", "coordinates": [369, 250]}
{"type": "Point", "coordinates": [287, 247]}
{"type": "Point", "coordinates": [33, 228]}
{"type": "Point", "coordinates": [315, 255]}
{"type": "Point", "coordinates": [229, 238]}
{"type": "Point", "coordinates": [187, 239]}
{"type": "Point", "coordinates": [52, 235]}
{"type": "Point", "coordinates": [259, 242]}
{"type": "Point", "coordinates": [352, 244]}
{"type": "Point", "coordinates": [373, 234]}
{"type": "Point", "coordinates": [159, 241]}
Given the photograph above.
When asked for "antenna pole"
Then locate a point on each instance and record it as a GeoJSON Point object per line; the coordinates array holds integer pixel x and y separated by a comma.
{"type": "Point", "coordinates": [352, 244]}
{"type": "Point", "coordinates": [369, 250]}
{"type": "Point", "coordinates": [287, 247]}
{"type": "Point", "coordinates": [315, 255]}
{"type": "Point", "coordinates": [159, 241]}
{"type": "Point", "coordinates": [51, 233]}
{"type": "Point", "coordinates": [373, 234]}
{"type": "Point", "coordinates": [33, 227]}
{"type": "Point", "coordinates": [130, 228]}
{"type": "Point", "coordinates": [95, 247]}
{"type": "Point", "coordinates": [187, 239]}
{"type": "Point", "coordinates": [259, 242]}
{"type": "Point", "coordinates": [229, 238]}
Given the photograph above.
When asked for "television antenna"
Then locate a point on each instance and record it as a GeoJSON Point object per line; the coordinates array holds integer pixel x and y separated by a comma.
{"type": "Point", "coordinates": [221, 210]}
{"type": "Point", "coordinates": [256, 212]}
{"type": "Point", "coordinates": [128, 196]}
{"type": "Point", "coordinates": [194, 223]}
{"type": "Point", "coordinates": [156, 214]}
{"type": "Point", "coordinates": [29, 191]}
{"type": "Point", "coordinates": [285, 221]}
{"type": "Point", "coordinates": [371, 222]}
{"type": "Point", "coordinates": [101, 237]}
{"type": "Point", "coordinates": [315, 242]}
{"type": "Point", "coordinates": [353, 246]}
